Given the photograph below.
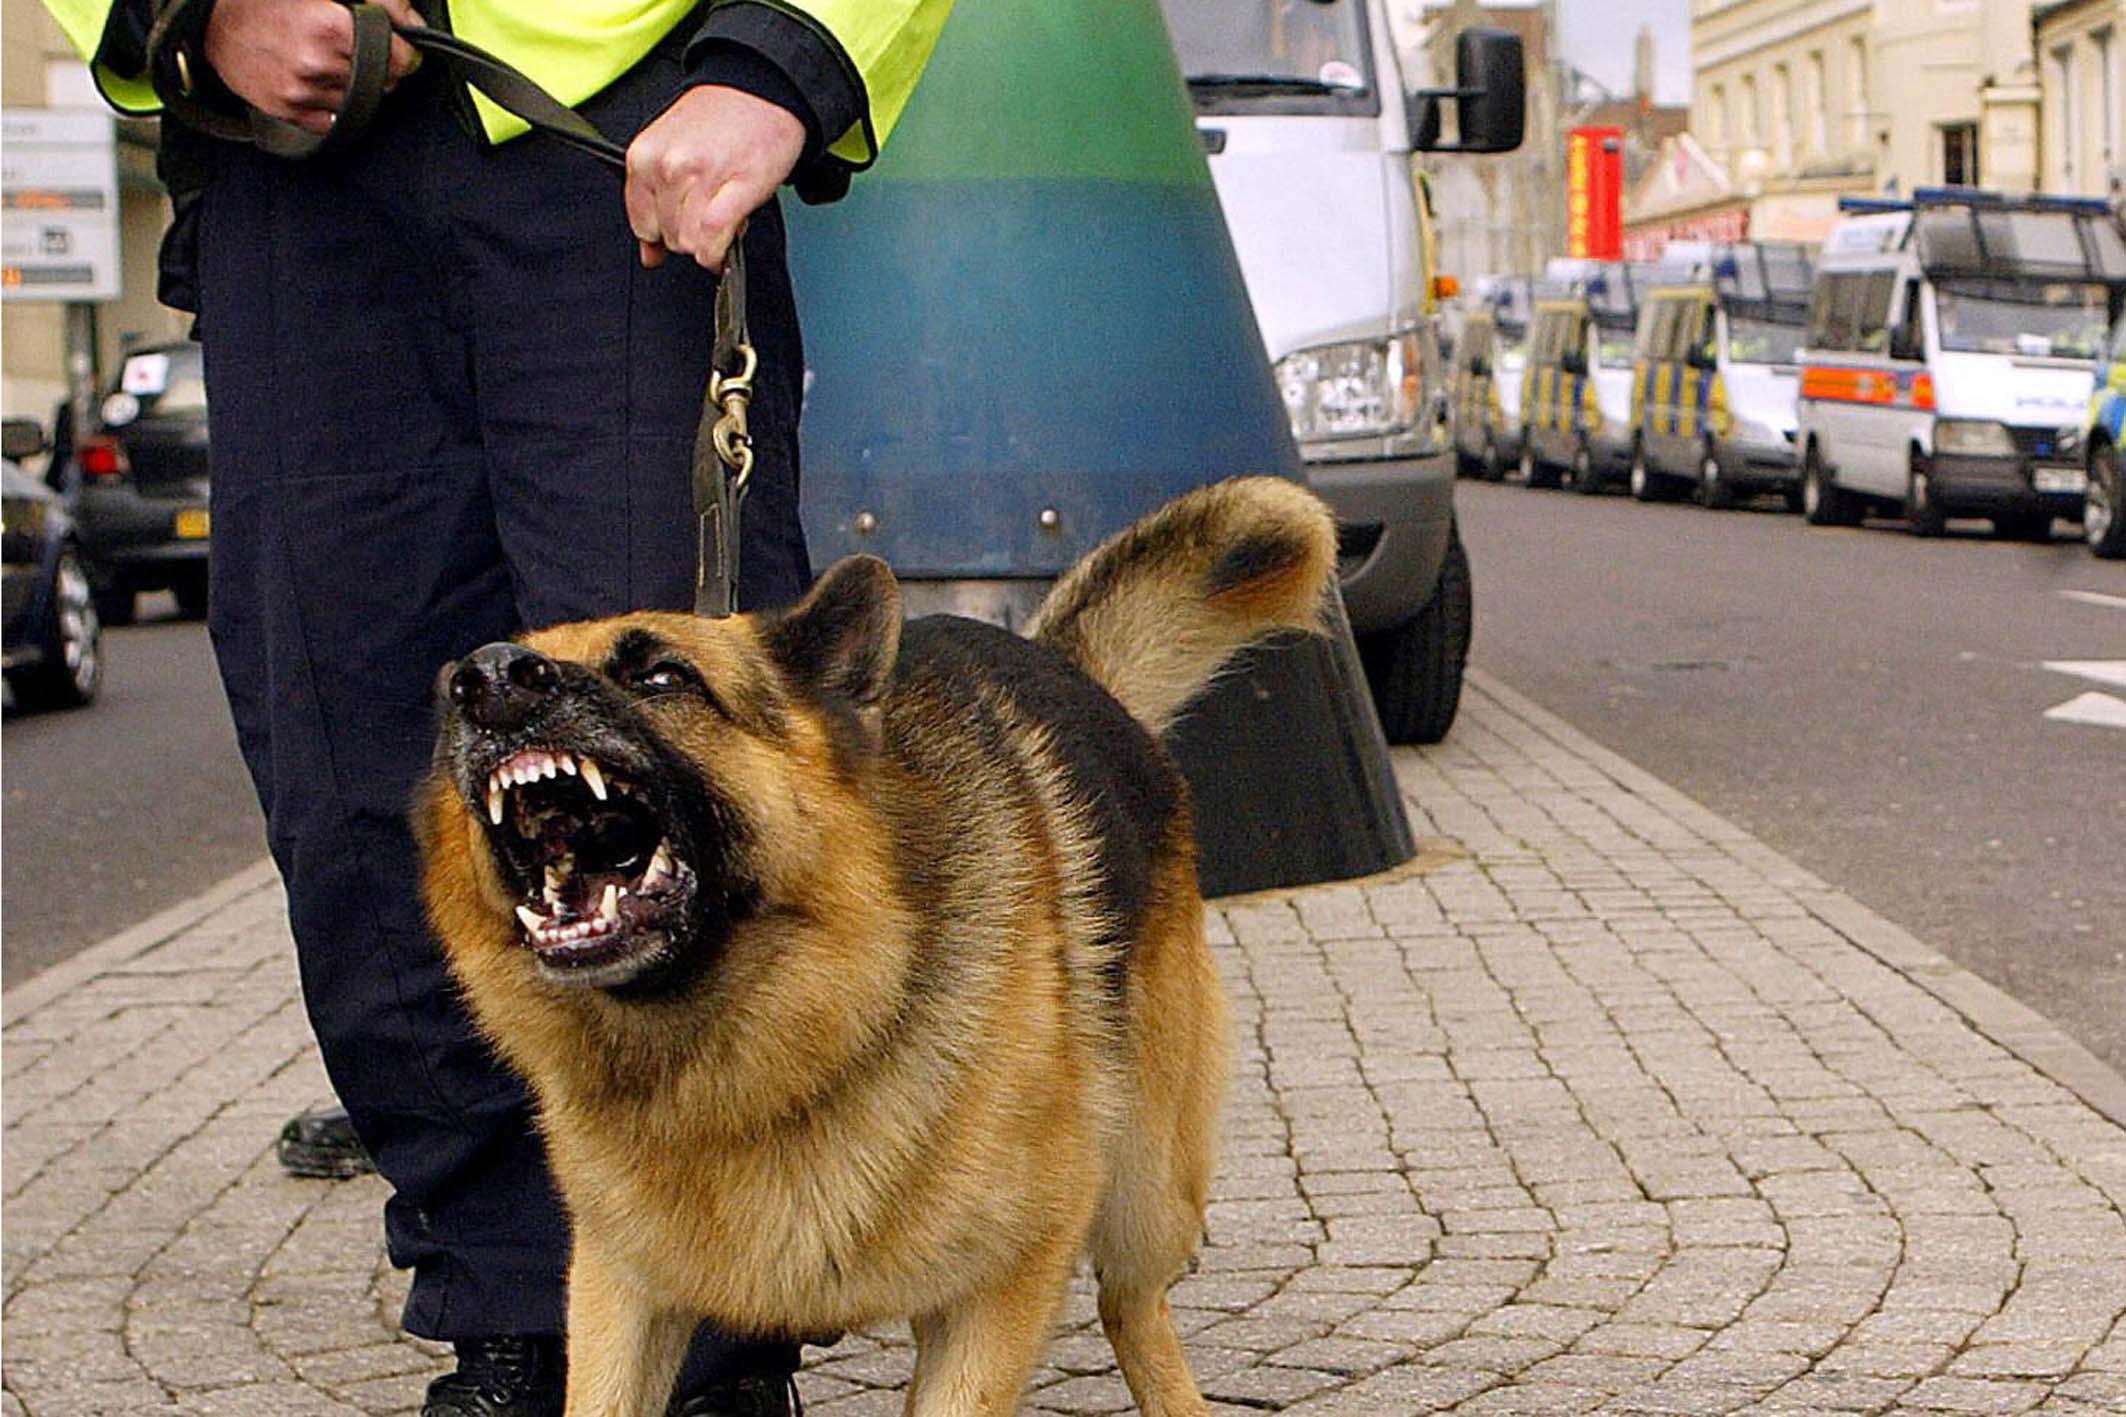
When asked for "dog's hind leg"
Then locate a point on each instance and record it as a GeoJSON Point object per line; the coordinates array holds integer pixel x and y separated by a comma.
{"type": "Point", "coordinates": [1151, 1218]}
{"type": "Point", "coordinates": [973, 1358]}
{"type": "Point", "coordinates": [623, 1352]}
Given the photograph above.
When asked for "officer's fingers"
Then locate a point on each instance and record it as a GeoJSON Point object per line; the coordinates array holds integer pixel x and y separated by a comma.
{"type": "Point", "coordinates": [404, 57]}
{"type": "Point", "coordinates": [639, 194]}
{"type": "Point", "coordinates": [652, 254]}
{"type": "Point", "coordinates": [718, 220]}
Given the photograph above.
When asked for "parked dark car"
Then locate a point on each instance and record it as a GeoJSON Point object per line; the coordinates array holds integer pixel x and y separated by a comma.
{"type": "Point", "coordinates": [54, 641]}
{"type": "Point", "coordinates": [137, 482]}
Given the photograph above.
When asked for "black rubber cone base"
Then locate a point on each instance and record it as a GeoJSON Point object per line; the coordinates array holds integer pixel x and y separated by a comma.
{"type": "Point", "coordinates": [1290, 771]}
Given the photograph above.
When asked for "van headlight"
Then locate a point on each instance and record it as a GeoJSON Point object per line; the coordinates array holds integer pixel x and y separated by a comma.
{"type": "Point", "coordinates": [1353, 390]}
{"type": "Point", "coordinates": [1973, 438]}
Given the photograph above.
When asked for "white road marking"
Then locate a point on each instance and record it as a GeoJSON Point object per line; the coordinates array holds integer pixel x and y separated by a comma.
{"type": "Point", "coordinates": [2104, 671]}
{"type": "Point", "coordinates": [2096, 597]}
{"type": "Point", "coordinates": [2104, 710]}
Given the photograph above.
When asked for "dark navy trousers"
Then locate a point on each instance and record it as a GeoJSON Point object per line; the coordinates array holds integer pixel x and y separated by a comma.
{"type": "Point", "coordinates": [448, 404]}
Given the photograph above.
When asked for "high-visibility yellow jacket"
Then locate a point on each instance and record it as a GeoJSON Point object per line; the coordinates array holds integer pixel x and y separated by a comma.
{"type": "Point", "coordinates": [574, 48]}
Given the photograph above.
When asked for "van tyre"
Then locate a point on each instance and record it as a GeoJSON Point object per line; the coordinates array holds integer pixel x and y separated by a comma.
{"type": "Point", "coordinates": [1713, 489]}
{"type": "Point", "coordinates": [1646, 484]}
{"type": "Point", "coordinates": [1534, 471]}
{"type": "Point", "coordinates": [1415, 670]}
{"type": "Point", "coordinates": [2103, 512]}
{"type": "Point", "coordinates": [1824, 502]}
{"type": "Point", "coordinates": [1923, 514]}
{"type": "Point", "coordinates": [1493, 468]}
{"type": "Point", "coordinates": [1581, 476]}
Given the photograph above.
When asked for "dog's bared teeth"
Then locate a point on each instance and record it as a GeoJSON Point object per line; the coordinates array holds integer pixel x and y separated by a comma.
{"type": "Point", "coordinates": [546, 765]}
{"type": "Point", "coordinates": [609, 903]}
{"type": "Point", "coordinates": [494, 800]}
{"type": "Point", "coordinates": [659, 870]}
{"type": "Point", "coordinates": [567, 763]}
{"type": "Point", "coordinates": [593, 778]}
{"type": "Point", "coordinates": [554, 881]}
{"type": "Point", "coordinates": [534, 922]}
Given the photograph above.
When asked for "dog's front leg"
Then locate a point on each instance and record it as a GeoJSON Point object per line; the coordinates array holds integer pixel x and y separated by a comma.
{"type": "Point", "coordinates": [623, 1351]}
{"type": "Point", "coordinates": [973, 1357]}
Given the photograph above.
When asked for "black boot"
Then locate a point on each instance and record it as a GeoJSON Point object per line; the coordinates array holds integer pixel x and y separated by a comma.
{"type": "Point", "coordinates": [746, 1397]}
{"type": "Point", "coordinates": [524, 1376]}
{"type": "Point", "coordinates": [322, 1143]}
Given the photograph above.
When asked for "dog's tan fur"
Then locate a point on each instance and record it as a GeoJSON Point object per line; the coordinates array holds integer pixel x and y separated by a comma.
{"type": "Point", "coordinates": [903, 1088]}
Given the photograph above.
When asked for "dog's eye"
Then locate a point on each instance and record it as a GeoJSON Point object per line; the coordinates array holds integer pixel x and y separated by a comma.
{"type": "Point", "coordinates": [666, 676]}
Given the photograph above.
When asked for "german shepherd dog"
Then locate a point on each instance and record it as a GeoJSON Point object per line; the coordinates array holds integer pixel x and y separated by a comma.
{"type": "Point", "coordinates": [858, 967]}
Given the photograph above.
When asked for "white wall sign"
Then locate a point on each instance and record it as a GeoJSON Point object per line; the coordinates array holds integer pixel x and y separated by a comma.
{"type": "Point", "coordinates": [58, 204]}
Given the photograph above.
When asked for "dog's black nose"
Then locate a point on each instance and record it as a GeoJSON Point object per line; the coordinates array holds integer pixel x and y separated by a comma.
{"type": "Point", "coordinates": [498, 686]}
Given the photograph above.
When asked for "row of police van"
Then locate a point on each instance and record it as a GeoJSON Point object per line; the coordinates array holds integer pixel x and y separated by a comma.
{"type": "Point", "coordinates": [1960, 354]}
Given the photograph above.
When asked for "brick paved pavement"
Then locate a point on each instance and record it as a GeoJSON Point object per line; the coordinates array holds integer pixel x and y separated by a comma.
{"type": "Point", "coordinates": [1604, 1107]}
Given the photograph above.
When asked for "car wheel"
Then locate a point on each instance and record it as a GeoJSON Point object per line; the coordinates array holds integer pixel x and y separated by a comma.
{"type": "Point", "coordinates": [2024, 526]}
{"type": "Point", "coordinates": [1923, 515]}
{"type": "Point", "coordinates": [1415, 670]}
{"type": "Point", "coordinates": [191, 592]}
{"type": "Point", "coordinates": [2103, 514]}
{"type": "Point", "coordinates": [1713, 489]}
{"type": "Point", "coordinates": [72, 668]}
{"type": "Point", "coordinates": [1824, 502]}
{"type": "Point", "coordinates": [1581, 477]}
{"type": "Point", "coordinates": [1494, 463]}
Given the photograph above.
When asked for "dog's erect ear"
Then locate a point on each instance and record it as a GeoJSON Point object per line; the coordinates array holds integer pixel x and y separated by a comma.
{"type": "Point", "coordinates": [843, 638]}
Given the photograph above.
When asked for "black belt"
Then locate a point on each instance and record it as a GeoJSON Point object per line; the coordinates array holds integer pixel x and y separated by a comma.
{"type": "Point", "coordinates": [723, 448]}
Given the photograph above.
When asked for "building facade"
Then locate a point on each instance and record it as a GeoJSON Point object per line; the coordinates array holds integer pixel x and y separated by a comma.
{"type": "Point", "coordinates": [2082, 115]}
{"type": "Point", "coordinates": [39, 70]}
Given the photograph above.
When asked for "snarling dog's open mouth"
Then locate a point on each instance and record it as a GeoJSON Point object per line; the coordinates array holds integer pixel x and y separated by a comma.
{"type": "Point", "coordinates": [589, 852]}
{"type": "Point", "coordinates": [594, 828]}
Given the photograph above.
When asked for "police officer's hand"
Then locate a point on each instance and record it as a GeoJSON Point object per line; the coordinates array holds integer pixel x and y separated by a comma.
{"type": "Point", "coordinates": [292, 58]}
{"type": "Point", "coordinates": [698, 172]}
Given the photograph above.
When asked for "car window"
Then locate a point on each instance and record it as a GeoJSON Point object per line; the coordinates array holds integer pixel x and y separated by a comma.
{"type": "Point", "coordinates": [2060, 319]}
{"type": "Point", "coordinates": [166, 382]}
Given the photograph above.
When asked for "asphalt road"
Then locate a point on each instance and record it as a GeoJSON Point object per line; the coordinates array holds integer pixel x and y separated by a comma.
{"type": "Point", "coordinates": [1870, 704]}
{"type": "Point", "coordinates": [121, 808]}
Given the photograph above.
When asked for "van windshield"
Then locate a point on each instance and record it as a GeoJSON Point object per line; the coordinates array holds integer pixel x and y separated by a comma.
{"type": "Point", "coordinates": [1758, 341]}
{"type": "Point", "coordinates": [1280, 55]}
{"type": "Point", "coordinates": [2060, 319]}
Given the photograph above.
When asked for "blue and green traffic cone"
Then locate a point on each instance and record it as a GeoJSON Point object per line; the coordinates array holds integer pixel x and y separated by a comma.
{"type": "Point", "coordinates": [1025, 329]}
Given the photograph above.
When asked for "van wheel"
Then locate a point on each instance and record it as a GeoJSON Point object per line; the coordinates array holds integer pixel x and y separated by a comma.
{"type": "Point", "coordinates": [1824, 502]}
{"type": "Point", "coordinates": [1923, 515]}
{"type": "Point", "coordinates": [1534, 471]}
{"type": "Point", "coordinates": [1713, 490]}
{"type": "Point", "coordinates": [1581, 477]}
{"type": "Point", "coordinates": [1493, 468]}
{"type": "Point", "coordinates": [1645, 484]}
{"type": "Point", "coordinates": [1415, 670]}
{"type": "Point", "coordinates": [2103, 514]}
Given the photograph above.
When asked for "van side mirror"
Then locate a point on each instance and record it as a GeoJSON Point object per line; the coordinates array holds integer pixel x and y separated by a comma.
{"type": "Point", "coordinates": [1701, 356]}
{"type": "Point", "coordinates": [1489, 95]}
{"type": "Point", "coordinates": [21, 439]}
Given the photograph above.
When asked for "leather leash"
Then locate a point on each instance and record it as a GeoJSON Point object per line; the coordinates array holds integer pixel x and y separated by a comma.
{"type": "Point", "coordinates": [723, 446]}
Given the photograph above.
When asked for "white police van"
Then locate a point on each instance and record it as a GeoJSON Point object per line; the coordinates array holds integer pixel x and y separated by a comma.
{"type": "Point", "coordinates": [1948, 361]}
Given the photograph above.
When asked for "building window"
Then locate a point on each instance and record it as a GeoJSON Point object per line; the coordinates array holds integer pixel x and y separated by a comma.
{"type": "Point", "coordinates": [1716, 117]}
{"type": "Point", "coordinates": [2069, 109]}
{"type": "Point", "coordinates": [1959, 154]}
{"type": "Point", "coordinates": [1856, 64]}
{"type": "Point", "coordinates": [2107, 79]}
{"type": "Point", "coordinates": [1748, 131]}
{"type": "Point", "coordinates": [1782, 118]}
{"type": "Point", "coordinates": [1814, 98]}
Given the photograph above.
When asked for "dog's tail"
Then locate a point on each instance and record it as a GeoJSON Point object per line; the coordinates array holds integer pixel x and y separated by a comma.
{"type": "Point", "coordinates": [1156, 611]}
